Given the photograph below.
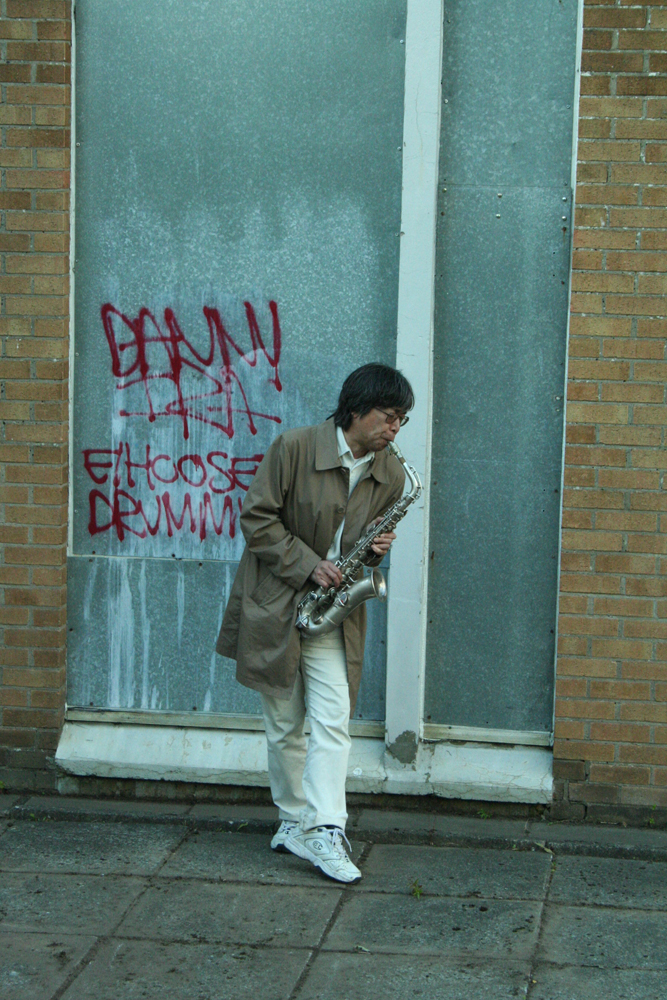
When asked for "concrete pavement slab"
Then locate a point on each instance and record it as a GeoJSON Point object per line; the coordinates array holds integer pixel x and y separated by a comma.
{"type": "Point", "coordinates": [435, 926]}
{"type": "Point", "coordinates": [151, 970]}
{"type": "Point", "coordinates": [93, 848]}
{"type": "Point", "coordinates": [457, 871]}
{"type": "Point", "coordinates": [243, 857]}
{"type": "Point", "coordinates": [34, 966]}
{"type": "Point", "coordinates": [401, 977]}
{"type": "Point", "coordinates": [68, 904]}
{"type": "Point", "coordinates": [557, 983]}
{"type": "Point", "coordinates": [41, 806]}
{"type": "Point", "coordinates": [610, 882]}
{"type": "Point", "coordinates": [279, 916]}
{"type": "Point", "coordinates": [604, 937]}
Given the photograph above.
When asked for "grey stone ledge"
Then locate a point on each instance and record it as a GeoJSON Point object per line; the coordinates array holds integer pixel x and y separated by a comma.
{"type": "Point", "coordinates": [602, 841]}
{"type": "Point", "coordinates": [56, 807]}
{"type": "Point", "coordinates": [371, 825]}
{"type": "Point", "coordinates": [7, 804]}
{"type": "Point", "coordinates": [215, 816]}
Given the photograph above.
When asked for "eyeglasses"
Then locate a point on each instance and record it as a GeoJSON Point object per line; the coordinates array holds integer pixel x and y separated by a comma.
{"type": "Point", "coordinates": [391, 418]}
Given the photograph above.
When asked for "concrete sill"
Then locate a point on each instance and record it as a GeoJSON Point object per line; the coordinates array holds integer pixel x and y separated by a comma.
{"type": "Point", "coordinates": [237, 757]}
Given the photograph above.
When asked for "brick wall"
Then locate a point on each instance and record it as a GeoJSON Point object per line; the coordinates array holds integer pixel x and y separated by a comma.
{"type": "Point", "coordinates": [611, 714]}
{"type": "Point", "coordinates": [34, 236]}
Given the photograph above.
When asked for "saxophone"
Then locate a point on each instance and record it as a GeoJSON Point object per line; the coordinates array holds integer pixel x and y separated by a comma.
{"type": "Point", "coordinates": [322, 610]}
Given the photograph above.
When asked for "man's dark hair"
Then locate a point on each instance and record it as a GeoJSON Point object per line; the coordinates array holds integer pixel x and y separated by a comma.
{"type": "Point", "coordinates": [370, 386]}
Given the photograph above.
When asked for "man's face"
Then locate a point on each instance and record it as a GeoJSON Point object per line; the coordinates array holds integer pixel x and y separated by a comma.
{"type": "Point", "coordinates": [377, 428]}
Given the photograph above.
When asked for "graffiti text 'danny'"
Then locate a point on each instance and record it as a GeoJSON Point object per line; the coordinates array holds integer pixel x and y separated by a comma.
{"type": "Point", "coordinates": [167, 380]}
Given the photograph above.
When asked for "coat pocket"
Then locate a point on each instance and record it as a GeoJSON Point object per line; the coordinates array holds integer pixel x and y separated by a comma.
{"type": "Point", "coordinates": [268, 589]}
{"type": "Point", "coordinates": [267, 617]}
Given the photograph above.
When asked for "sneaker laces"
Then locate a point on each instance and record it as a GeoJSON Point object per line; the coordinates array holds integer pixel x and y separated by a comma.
{"type": "Point", "coordinates": [337, 838]}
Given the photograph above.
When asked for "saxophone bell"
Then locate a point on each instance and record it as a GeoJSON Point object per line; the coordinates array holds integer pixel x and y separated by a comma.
{"type": "Point", "coordinates": [319, 621]}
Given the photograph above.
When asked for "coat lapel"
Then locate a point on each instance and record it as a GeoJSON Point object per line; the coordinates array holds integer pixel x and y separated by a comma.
{"type": "Point", "coordinates": [326, 447]}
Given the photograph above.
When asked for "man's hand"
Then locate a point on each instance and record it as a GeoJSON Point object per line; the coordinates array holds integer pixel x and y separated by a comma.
{"type": "Point", "coordinates": [327, 574]}
{"type": "Point", "coordinates": [382, 543]}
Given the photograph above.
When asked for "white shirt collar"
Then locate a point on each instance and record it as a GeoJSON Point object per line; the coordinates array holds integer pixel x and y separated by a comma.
{"type": "Point", "coordinates": [344, 449]}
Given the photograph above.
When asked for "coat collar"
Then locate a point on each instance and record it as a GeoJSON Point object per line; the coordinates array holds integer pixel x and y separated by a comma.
{"type": "Point", "coordinates": [327, 457]}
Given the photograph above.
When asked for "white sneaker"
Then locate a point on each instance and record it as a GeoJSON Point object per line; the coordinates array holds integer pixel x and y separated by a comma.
{"type": "Point", "coordinates": [324, 847]}
{"type": "Point", "coordinates": [281, 834]}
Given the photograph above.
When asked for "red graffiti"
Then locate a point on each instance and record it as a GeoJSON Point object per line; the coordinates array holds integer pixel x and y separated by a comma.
{"type": "Point", "coordinates": [128, 515]}
{"type": "Point", "coordinates": [235, 472]}
{"type": "Point", "coordinates": [182, 509]}
{"type": "Point", "coordinates": [160, 357]}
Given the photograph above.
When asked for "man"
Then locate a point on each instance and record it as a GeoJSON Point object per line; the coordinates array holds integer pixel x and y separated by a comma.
{"type": "Point", "coordinates": [314, 494]}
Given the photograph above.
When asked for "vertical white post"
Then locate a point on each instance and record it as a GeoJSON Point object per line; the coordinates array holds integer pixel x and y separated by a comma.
{"type": "Point", "coordinates": [406, 630]}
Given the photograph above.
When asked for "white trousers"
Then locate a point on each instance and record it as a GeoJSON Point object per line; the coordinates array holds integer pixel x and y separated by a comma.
{"type": "Point", "coordinates": [308, 780]}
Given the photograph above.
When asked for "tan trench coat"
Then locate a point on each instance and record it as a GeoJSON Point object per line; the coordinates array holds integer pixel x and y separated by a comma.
{"type": "Point", "coordinates": [296, 502]}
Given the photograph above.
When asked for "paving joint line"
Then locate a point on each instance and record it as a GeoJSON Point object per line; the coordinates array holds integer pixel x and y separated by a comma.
{"type": "Point", "coordinates": [538, 941]}
{"type": "Point", "coordinates": [345, 893]}
{"type": "Point", "coordinates": [615, 968]}
{"type": "Point", "coordinates": [95, 947]}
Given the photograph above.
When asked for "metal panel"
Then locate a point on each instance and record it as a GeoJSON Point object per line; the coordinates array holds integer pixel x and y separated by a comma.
{"type": "Point", "coordinates": [508, 86]}
{"type": "Point", "coordinates": [500, 329]}
{"type": "Point", "coordinates": [238, 208]}
{"type": "Point", "coordinates": [141, 634]}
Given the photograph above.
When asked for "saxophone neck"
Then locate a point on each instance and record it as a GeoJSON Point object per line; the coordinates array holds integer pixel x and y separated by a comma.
{"type": "Point", "coordinates": [411, 472]}
{"type": "Point", "coordinates": [355, 557]}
